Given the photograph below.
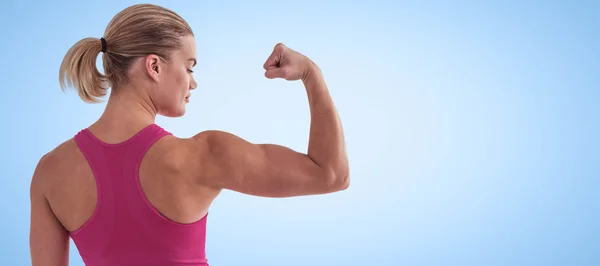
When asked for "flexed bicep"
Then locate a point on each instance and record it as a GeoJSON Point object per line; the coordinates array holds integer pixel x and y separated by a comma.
{"type": "Point", "coordinates": [268, 170]}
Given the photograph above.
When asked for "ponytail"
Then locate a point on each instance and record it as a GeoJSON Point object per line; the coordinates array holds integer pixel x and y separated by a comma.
{"type": "Point", "coordinates": [135, 32]}
{"type": "Point", "coordinates": [78, 70]}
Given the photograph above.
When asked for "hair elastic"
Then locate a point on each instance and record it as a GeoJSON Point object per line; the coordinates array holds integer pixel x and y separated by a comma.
{"type": "Point", "coordinates": [103, 44]}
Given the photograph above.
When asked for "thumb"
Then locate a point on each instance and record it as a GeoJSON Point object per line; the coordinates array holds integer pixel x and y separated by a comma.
{"type": "Point", "coordinates": [276, 72]}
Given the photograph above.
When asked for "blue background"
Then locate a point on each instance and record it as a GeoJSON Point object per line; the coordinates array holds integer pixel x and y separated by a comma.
{"type": "Point", "coordinates": [472, 128]}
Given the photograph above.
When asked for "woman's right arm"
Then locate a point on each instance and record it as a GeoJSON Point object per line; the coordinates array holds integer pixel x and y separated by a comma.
{"type": "Point", "coordinates": [230, 162]}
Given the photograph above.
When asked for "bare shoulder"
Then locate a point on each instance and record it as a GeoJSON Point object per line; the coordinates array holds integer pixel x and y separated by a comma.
{"type": "Point", "coordinates": [191, 158]}
{"type": "Point", "coordinates": [197, 151]}
{"type": "Point", "coordinates": [51, 164]}
{"type": "Point", "coordinates": [220, 148]}
{"type": "Point", "coordinates": [208, 155]}
{"type": "Point", "coordinates": [216, 142]}
{"type": "Point", "coordinates": [175, 153]}
{"type": "Point", "coordinates": [209, 144]}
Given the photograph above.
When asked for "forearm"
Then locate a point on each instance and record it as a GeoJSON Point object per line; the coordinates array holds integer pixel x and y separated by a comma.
{"type": "Point", "coordinates": [326, 146]}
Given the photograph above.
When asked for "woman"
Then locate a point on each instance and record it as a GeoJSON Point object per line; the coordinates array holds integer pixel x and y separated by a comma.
{"type": "Point", "coordinates": [130, 193]}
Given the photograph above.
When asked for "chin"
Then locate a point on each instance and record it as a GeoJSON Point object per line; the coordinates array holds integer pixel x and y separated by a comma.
{"type": "Point", "coordinates": [175, 112]}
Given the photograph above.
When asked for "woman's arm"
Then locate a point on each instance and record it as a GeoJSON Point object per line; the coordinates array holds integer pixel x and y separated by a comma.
{"type": "Point", "coordinates": [48, 239]}
{"type": "Point", "coordinates": [226, 161]}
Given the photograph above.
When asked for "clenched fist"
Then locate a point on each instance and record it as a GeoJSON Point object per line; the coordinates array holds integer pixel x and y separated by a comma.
{"type": "Point", "coordinates": [288, 64]}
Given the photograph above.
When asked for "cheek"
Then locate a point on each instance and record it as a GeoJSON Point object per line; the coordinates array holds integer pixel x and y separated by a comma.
{"type": "Point", "coordinates": [181, 82]}
{"type": "Point", "coordinates": [175, 86]}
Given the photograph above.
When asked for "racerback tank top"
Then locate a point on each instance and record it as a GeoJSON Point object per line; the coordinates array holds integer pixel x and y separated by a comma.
{"type": "Point", "coordinates": [125, 229]}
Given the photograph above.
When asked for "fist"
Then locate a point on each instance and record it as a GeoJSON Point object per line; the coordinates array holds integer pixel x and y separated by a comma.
{"type": "Point", "coordinates": [288, 64]}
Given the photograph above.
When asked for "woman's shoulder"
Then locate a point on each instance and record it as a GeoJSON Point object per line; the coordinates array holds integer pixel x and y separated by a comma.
{"type": "Point", "coordinates": [59, 156]}
{"type": "Point", "coordinates": [53, 164]}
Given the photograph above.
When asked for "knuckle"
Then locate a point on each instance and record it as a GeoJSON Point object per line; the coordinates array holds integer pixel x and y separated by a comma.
{"type": "Point", "coordinates": [280, 47]}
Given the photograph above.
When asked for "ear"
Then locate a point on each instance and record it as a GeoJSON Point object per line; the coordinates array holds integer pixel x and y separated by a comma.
{"type": "Point", "coordinates": [153, 66]}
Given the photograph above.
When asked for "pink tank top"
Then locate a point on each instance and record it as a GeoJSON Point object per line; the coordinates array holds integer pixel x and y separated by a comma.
{"type": "Point", "coordinates": [125, 228]}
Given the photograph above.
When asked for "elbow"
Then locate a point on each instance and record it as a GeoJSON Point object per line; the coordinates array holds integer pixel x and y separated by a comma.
{"type": "Point", "coordinates": [343, 179]}
{"type": "Point", "coordinates": [338, 181]}
{"type": "Point", "coordinates": [344, 183]}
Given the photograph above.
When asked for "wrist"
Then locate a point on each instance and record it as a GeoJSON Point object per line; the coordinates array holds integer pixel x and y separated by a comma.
{"type": "Point", "coordinates": [313, 74]}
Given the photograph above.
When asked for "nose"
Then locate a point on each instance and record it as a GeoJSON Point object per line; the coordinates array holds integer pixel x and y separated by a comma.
{"type": "Point", "coordinates": [193, 84]}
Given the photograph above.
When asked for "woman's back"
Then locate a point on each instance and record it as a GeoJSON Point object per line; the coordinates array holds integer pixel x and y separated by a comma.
{"type": "Point", "coordinates": [128, 202]}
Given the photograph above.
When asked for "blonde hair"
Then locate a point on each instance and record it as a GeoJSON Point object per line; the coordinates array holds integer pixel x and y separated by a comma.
{"type": "Point", "coordinates": [135, 32]}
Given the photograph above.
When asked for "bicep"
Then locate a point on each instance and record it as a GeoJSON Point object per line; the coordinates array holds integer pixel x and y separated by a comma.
{"type": "Point", "coordinates": [48, 240]}
{"type": "Point", "coordinates": [267, 170]}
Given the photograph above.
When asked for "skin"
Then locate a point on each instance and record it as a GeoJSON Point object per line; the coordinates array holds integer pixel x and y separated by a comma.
{"type": "Point", "coordinates": [182, 176]}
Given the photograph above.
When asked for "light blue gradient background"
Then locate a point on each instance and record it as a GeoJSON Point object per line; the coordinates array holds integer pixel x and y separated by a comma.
{"type": "Point", "coordinates": [472, 128]}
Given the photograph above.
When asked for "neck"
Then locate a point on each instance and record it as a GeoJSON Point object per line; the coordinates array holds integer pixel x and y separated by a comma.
{"type": "Point", "coordinates": [127, 110]}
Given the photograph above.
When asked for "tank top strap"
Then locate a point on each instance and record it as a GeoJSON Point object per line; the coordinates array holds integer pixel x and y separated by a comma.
{"type": "Point", "coordinates": [140, 143]}
{"type": "Point", "coordinates": [149, 133]}
{"type": "Point", "coordinates": [95, 150]}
